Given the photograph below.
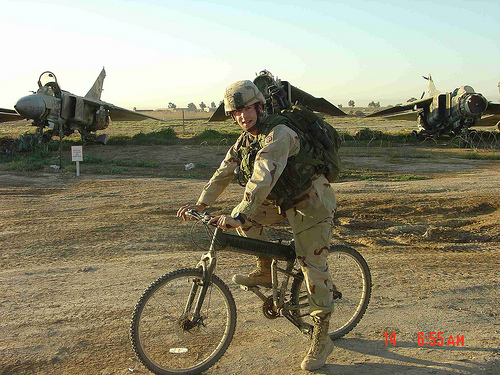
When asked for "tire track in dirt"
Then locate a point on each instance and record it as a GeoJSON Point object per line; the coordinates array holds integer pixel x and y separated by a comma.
{"type": "Point", "coordinates": [76, 260]}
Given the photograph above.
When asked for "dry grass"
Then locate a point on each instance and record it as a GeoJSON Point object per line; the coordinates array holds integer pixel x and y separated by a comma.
{"type": "Point", "coordinates": [196, 122]}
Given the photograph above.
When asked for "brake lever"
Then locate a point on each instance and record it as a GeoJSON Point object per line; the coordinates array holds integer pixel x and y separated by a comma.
{"type": "Point", "coordinates": [204, 217]}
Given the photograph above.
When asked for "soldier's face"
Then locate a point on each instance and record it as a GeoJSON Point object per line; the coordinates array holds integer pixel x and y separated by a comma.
{"type": "Point", "coordinates": [246, 117]}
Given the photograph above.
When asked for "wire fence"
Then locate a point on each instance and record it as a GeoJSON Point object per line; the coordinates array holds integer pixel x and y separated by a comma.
{"type": "Point", "coordinates": [374, 138]}
{"type": "Point", "coordinates": [479, 139]}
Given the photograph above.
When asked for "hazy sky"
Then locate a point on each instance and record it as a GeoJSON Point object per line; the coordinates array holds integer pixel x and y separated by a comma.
{"type": "Point", "coordinates": [157, 52]}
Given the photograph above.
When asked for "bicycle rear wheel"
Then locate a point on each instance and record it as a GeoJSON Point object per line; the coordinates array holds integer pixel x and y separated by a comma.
{"type": "Point", "coordinates": [167, 339]}
{"type": "Point", "coordinates": [352, 280]}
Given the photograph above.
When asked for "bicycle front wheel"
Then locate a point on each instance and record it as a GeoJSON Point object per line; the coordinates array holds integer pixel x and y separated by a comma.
{"type": "Point", "coordinates": [353, 285]}
{"type": "Point", "coordinates": [168, 338]}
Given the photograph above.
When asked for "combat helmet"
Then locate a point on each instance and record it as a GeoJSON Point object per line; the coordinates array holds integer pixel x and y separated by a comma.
{"type": "Point", "coordinates": [241, 94]}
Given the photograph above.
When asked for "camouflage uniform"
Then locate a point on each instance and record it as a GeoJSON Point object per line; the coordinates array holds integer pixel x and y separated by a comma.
{"type": "Point", "coordinates": [311, 219]}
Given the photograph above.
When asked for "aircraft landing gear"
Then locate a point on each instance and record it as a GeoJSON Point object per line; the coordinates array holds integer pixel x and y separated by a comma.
{"type": "Point", "coordinates": [93, 138]}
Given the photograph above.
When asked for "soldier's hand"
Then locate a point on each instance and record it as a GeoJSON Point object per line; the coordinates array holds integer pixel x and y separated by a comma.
{"type": "Point", "coordinates": [182, 211]}
{"type": "Point", "coordinates": [225, 222]}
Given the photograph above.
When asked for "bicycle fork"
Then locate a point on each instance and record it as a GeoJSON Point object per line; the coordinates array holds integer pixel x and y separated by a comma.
{"type": "Point", "coordinates": [207, 265]}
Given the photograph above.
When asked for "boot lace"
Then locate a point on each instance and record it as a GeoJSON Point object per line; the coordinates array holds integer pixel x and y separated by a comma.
{"type": "Point", "coordinates": [318, 333]}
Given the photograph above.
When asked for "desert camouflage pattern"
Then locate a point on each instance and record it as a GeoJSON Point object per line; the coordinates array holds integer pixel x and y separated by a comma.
{"type": "Point", "coordinates": [280, 144]}
{"type": "Point", "coordinates": [295, 179]}
{"type": "Point", "coordinates": [241, 94]}
{"type": "Point", "coordinates": [311, 219]}
{"type": "Point", "coordinates": [312, 225]}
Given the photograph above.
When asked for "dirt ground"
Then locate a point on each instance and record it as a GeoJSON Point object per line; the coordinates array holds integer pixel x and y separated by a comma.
{"type": "Point", "coordinates": [77, 253]}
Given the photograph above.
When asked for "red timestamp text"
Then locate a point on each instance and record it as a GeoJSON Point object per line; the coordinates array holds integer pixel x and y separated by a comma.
{"type": "Point", "coordinates": [429, 339]}
{"type": "Point", "coordinates": [439, 339]}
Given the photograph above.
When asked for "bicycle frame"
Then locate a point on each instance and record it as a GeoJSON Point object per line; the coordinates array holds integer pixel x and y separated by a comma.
{"type": "Point", "coordinates": [185, 320]}
{"type": "Point", "coordinates": [208, 262]}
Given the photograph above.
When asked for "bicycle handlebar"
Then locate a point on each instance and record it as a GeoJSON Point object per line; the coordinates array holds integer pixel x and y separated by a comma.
{"type": "Point", "coordinates": [204, 217]}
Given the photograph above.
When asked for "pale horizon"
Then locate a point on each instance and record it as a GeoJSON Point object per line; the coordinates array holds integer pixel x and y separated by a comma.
{"type": "Point", "coordinates": [183, 52]}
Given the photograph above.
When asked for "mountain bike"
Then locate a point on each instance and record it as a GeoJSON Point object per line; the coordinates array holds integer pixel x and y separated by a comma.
{"type": "Point", "coordinates": [185, 320]}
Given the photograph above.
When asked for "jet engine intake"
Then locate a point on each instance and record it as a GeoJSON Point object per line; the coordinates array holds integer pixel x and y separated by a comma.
{"type": "Point", "coordinates": [472, 105]}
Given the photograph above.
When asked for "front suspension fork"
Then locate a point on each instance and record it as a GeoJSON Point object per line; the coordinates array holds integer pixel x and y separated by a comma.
{"type": "Point", "coordinates": [206, 265]}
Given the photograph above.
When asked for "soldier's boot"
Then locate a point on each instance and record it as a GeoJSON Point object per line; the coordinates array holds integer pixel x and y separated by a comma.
{"type": "Point", "coordinates": [321, 346]}
{"type": "Point", "coordinates": [260, 276]}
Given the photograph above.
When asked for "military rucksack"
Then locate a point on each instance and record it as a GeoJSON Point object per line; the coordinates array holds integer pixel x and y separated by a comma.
{"type": "Point", "coordinates": [319, 143]}
{"type": "Point", "coordinates": [321, 135]}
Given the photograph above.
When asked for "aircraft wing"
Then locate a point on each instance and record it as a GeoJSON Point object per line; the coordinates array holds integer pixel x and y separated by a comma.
{"type": "Point", "coordinates": [120, 114]}
{"type": "Point", "coordinates": [297, 95]}
{"type": "Point", "coordinates": [9, 115]}
{"type": "Point", "coordinates": [407, 116]}
{"type": "Point", "coordinates": [489, 120]}
{"type": "Point", "coordinates": [219, 114]}
{"type": "Point", "coordinates": [316, 104]}
{"type": "Point", "coordinates": [493, 109]}
{"type": "Point", "coordinates": [422, 103]}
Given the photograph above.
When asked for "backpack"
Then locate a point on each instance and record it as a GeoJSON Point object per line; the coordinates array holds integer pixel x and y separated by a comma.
{"type": "Point", "coordinates": [323, 138]}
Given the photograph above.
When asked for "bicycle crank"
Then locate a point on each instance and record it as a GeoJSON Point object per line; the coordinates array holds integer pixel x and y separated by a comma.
{"type": "Point", "coordinates": [268, 309]}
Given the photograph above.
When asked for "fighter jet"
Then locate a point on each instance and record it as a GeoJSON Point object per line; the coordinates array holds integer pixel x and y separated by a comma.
{"type": "Point", "coordinates": [55, 109]}
{"type": "Point", "coordinates": [446, 113]}
{"type": "Point", "coordinates": [277, 92]}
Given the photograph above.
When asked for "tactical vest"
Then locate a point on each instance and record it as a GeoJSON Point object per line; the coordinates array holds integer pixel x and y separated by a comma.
{"type": "Point", "coordinates": [296, 178]}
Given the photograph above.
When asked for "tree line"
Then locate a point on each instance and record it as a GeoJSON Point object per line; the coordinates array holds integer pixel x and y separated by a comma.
{"type": "Point", "coordinates": [191, 106]}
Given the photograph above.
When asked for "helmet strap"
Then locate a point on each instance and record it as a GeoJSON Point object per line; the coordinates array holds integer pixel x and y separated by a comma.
{"type": "Point", "coordinates": [260, 112]}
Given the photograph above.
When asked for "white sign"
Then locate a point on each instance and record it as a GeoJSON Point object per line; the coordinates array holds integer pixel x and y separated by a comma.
{"type": "Point", "coordinates": [76, 153]}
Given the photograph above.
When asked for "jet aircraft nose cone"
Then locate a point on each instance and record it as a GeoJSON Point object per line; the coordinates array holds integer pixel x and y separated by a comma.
{"type": "Point", "coordinates": [30, 107]}
{"type": "Point", "coordinates": [477, 104]}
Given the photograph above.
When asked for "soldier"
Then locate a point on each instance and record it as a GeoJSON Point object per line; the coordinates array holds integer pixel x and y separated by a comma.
{"type": "Point", "coordinates": [276, 188]}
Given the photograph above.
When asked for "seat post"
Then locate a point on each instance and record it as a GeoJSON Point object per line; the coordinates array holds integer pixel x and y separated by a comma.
{"type": "Point", "coordinates": [274, 278]}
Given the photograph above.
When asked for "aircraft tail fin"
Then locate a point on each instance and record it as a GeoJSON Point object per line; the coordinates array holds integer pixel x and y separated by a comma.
{"type": "Point", "coordinates": [431, 88]}
{"type": "Point", "coordinates": [96, 90]}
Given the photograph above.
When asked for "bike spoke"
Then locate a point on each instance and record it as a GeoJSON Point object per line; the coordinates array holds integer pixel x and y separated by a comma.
{"type": "Point", "coordinates": [352, 282]}
{"type": "Point", "coordinates": [167, 340]}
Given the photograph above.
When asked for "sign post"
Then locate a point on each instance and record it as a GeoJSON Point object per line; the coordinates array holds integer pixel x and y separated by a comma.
{"type": "Point", "coordinates": [77, 156]}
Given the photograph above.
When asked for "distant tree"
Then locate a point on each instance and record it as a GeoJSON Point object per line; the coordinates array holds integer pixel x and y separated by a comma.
{"type": "Point", "coordinates": [351, 103]}
{"type": "Point", "coordinates": [412, 100]}
{"type": "Point", "coordinates": [398, 105]}
{"type": "Point", "coordinates": [135, 108]}
{"type": "Point", "coordinates": [172, 105]}
{"type": "Point", "coordinates": [339, 105]}
{"type": "Point", "coordinates": [374, 105]}
{"type": "Point", "coordinates": [202, 106]}
{"type": "Point", "coordinates": [212, 105]}
{"type": "Point", "coordinates": [192, 106]}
